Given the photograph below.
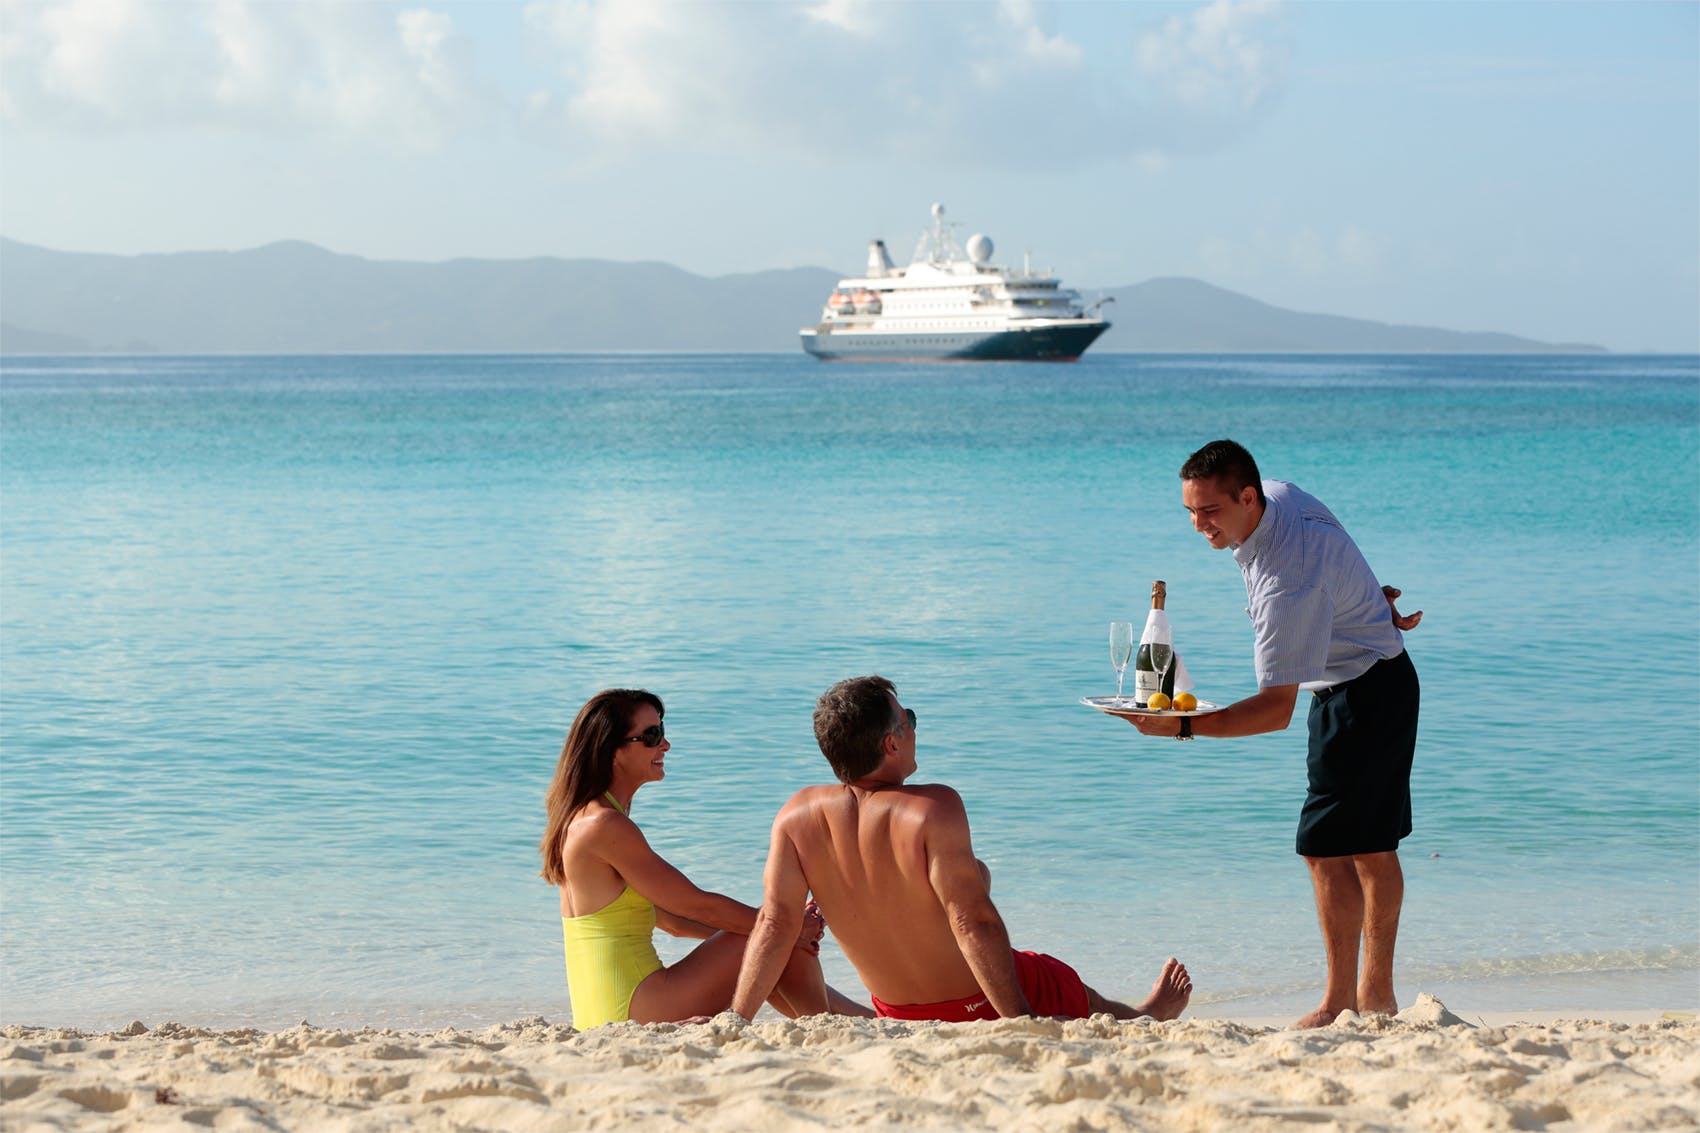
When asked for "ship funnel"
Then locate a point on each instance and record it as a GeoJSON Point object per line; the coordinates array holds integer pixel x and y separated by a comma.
{"type": "Point", "coordinates": [879, 260]}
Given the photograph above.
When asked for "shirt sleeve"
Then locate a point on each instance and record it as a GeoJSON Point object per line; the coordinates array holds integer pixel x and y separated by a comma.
{"type": "Point", "coordinates": [1293, 629]}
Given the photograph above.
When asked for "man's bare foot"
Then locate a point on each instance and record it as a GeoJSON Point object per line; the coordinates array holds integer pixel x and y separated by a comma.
{"type": "Point", "coordinates": [1171, 992]}
{"type": "Point", "coordinates": [1387, 1006]}
{"type": "Point", "coordinates": [1321, 1017]}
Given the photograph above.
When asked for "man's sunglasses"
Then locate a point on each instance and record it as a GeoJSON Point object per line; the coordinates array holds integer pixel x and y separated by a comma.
{"type": "Point", "coordinates": [651, 736]}
{"type": "Point", "coordinates": [909, 715]}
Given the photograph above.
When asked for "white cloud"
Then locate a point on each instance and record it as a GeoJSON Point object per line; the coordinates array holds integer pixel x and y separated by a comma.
{"type": "Point", "coordinates": [1039, 47]}
{"type": "Point", "coordinates": [364, 70]}
{"type": "Point", "coordinates": [854, 16]}
{"type": "Point", "coordinates": [1216, 56]}
{"type": "Point", "coordinates": [978, 83]}
{"type": "Point", "coordinates": [981, 84]}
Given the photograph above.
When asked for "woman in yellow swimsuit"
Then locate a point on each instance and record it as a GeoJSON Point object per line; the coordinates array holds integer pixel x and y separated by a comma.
{"type": "Point", "coordinates": [616, 891]}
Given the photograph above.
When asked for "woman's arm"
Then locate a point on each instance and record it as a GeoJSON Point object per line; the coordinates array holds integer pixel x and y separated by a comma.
{"type": "Point", "coordinates": [679, 904]}
{"type": "Point", "coordinates": [674, 925]}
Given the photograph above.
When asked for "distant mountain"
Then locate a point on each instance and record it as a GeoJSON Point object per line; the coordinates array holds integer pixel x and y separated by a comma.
{"type": "Point", "coordinates": [293, 297]}
{"type": "Point", "coordinates": [1189, 315]}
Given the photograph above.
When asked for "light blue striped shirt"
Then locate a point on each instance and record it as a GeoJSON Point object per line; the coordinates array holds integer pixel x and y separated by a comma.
{"type": "Point", "coordinates": [1317, 608]}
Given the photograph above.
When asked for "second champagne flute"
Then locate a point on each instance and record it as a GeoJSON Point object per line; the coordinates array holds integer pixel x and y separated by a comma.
{"type": "Point", "coordinates": [1162, 656]}
{"type": "Point", "coordinates": [1121, 649]}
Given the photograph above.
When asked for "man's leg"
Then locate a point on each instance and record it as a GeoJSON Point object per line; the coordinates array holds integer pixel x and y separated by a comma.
{"type": "Point", "coordinates": [1383, 885]}
{"type": "Point", "coordinates": [1168, 998]}
{"type": "Point", "coordinates": [1340, 910]}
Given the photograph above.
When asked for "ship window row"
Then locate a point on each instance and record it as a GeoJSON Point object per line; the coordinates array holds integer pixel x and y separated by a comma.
{"type": "Point", "coordinates": [964, 304]}
{"type": "Point", "coordinates": [954, 324]}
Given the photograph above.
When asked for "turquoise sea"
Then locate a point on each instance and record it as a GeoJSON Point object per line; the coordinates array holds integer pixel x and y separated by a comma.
{"type": "Point", "coordinates": [288, 646]}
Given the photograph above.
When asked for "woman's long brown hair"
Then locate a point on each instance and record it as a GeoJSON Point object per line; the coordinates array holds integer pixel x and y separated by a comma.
{"type": "Point", "coordinates": [586, 767]}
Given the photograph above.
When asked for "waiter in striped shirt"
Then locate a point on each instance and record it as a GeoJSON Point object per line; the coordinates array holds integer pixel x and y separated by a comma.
{"type": "Point", "coordinates": [1323, 625]}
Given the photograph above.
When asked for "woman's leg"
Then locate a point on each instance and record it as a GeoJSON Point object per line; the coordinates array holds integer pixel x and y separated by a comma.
{"type": "Point", "coordinates": [702, 984]}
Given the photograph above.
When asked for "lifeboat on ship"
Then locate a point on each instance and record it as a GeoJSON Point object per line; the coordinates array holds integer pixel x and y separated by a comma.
{"type": "Point", "coordinates": [867, 302]}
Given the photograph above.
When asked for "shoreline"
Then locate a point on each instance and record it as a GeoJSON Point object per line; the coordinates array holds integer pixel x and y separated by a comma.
{"type": "Point", "coordinates": [1610, 995]}
{"type": "Point", "coordinates": [1426, 1069]}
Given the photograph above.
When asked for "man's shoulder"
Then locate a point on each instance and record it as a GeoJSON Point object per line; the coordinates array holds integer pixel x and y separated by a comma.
{"type": "Point", "coordinates": [907, 790]}
{"type": "Point", "coordinates": [929, 797]}
{"type": "Point", "coordinates": [1286, 495]}
{"type": "Point", "coordinates": [809, 797]}
{"type": "Point", "coordinates": [937, 792]}
{"type": "Point", "coordinates": [917, 796]}
{"type": "Point", "coordinates": [924, 804]}
{"type": "Point", "coordinates": [931, 805]}
{"type": "Point", "coordinates": [1300, 522]}
{"type": "Point", "coordinates": [1291, 500]}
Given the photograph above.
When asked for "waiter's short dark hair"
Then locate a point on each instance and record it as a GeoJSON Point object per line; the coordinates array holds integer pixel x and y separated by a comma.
{"type": "Point", "coordinates": [1226, 462]}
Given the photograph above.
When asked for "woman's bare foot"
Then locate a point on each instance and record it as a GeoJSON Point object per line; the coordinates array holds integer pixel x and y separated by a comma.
{"type": "Point", "coordinates": [1170, 994]}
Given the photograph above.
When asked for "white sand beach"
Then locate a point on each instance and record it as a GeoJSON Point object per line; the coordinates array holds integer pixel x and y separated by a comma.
{"type": "Point", "coordinates": [1423, 1070]}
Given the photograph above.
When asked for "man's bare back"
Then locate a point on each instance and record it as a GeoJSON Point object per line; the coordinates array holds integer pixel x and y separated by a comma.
{"type": "Point", "coordinates": [890, 858]}
{"type": "Point", "coordinates": [893, 870]}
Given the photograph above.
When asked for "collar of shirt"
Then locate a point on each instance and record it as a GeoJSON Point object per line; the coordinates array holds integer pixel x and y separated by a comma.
{"type": "Point", "coordinates": [1245, 553]}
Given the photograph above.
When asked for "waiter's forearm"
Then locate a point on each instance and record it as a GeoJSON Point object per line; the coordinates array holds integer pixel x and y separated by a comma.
{"type": "Point", "coordinates": [1268, 710]}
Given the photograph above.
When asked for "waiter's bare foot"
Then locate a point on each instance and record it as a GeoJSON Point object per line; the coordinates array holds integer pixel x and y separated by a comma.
{"type": "Point", "coordinates": [1171, 992]}
{"type": "Point", "coordinates": [1321, 1017]}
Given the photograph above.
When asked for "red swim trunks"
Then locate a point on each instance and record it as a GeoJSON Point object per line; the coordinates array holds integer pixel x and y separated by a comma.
{"type": "Point", "coordinates": [1052, 987]}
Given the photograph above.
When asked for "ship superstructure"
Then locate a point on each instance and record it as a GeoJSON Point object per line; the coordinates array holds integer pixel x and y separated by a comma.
{"type": "Point", "coordinates": [951, 303]}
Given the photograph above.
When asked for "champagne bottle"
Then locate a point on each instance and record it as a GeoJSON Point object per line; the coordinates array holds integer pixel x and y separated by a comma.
{"type": "Point", "coordinates": [1157, 635]}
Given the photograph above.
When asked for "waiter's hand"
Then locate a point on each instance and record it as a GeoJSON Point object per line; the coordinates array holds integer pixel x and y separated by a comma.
{"type": "Point", "coordinates": [1156, 725]}
{"type": "Point", "coordinates": [1402, 621]}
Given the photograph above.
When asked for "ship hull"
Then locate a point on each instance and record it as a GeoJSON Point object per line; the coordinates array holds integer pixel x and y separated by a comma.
{"type": "Point", "coordinates": [1053, 343]}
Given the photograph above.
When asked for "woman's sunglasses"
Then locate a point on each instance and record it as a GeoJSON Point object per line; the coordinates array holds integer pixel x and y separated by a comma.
{"type": "Point", "coordinates": [651, 736]}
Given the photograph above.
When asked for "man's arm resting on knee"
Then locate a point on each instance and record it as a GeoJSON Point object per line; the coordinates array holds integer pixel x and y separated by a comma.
{"type": "Point", "coordinates": [784, 890]}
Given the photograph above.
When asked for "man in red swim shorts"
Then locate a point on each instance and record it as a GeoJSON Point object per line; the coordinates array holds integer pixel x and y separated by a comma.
{"type": "Point", "coordinates": [892, 867]}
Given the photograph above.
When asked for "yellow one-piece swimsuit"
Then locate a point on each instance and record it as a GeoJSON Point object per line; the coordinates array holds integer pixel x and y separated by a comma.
{"type": "Point", "coordinates": [609, 952]}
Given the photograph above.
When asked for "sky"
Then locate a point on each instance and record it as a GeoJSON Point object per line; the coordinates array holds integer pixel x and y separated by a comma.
{"type": "Point", "coordinates": [1529, 167]}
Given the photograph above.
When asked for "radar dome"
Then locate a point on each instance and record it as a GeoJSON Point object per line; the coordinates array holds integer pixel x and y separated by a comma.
{"type": "Point", "coordinates": [979, 248]}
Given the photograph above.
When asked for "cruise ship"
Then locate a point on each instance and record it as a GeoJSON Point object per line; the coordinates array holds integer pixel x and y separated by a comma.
{"type": "Point", "coordinates": [951, 304]}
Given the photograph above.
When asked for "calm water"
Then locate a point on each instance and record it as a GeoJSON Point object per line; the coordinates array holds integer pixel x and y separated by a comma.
{"type": "Point", "coordinates": [288, 647]}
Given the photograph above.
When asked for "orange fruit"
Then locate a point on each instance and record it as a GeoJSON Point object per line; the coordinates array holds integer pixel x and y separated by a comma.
{"type": "Point", "coordinates": [1185, 702]}
{"type": "Point", "coordinates": [1158, 701]}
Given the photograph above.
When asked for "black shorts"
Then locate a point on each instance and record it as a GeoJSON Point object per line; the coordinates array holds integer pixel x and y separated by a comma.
{"type": "Point", "coordinates": [1363, 735]}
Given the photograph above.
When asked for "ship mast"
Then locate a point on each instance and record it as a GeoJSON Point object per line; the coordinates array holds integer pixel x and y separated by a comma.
{"type": "Point", "coordinates": [938, 244]}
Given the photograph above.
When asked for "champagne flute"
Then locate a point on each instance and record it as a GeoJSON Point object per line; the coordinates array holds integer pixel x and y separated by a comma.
{"type": "Point", "coordinates": [1162, 656]}
{"type": "Point", "coordinates": [1121, 650]}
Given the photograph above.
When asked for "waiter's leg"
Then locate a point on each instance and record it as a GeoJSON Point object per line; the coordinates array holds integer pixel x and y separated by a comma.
{"type": "Point", "coordinates": [1340, 911]}
{"type": "Point", "coordinates": [1383, 885]}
